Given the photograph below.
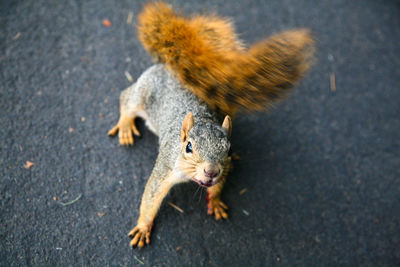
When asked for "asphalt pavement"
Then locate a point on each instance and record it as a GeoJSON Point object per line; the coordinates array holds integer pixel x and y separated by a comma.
{"type": "Point", "coordinates": [317, 183]}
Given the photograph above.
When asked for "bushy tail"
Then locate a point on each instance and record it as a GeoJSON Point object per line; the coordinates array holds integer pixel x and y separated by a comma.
{"type": "Point", "coordinates": [207, 57]}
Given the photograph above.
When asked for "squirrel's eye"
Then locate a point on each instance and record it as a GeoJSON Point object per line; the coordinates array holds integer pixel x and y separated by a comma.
{"type": "Point", "coordinates": [189, 148]}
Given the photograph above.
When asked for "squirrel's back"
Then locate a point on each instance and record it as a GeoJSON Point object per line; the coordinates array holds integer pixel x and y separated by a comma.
{"type": "Point", "coordinates": [209, 59]}
{"type": "Point", "coordinates": [166, 102]}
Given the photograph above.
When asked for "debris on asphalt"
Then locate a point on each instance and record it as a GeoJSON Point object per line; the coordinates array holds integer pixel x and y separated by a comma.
{"type": "Point", "coordinates": [71, 130]}
{"type": "Point", "coordinates": [235, 156]}
{"type": "Point", "coordinates": [28, 164]}
{"type": "Point", "coordinates": [333, 83]}
{"type": "Point", "coordinates": [17, 36]}
{"type": "Point", "coordinates": [139, 261]}
{"type": "Point", "coordinates": [246, 212]}
{"type": "Point", "coordinates": [176, 207]}
{"type": "Point", "coordinates": [106, 23]}
{"type": "Point", "coordinates": [242, 191]}
{"type": "Point", "coordinates": [83, 119]}
{"type": "Point", "coordinates": [128, 76]}
{"type": "Point", "coordinates": [100, 214]}
{"type": "Point", "coordinates": [130, 18]}
{"type": "Point", "coordinates": [72, 201]}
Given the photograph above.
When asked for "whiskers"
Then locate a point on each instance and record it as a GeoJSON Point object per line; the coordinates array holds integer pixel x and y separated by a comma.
{"type": "Point", "coordinates": [188, 167]}
{"type": "Point", "coordinates": [201, 192]}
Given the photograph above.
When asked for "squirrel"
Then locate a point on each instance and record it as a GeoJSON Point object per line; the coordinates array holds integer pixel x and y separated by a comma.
{"type": "Point", "coordinates": [203, 76]}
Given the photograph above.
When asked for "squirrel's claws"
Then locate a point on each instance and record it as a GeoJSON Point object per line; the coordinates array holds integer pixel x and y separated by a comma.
{"type": "Point", "coordinates": [126, 137]}
{"type": "Point", "coordinates": [113, 131]}
{"type": "Point", "coordinates": [148, 238]}
{"type": "Point", "coordinates": [140, 236]}
{"type": "Point", "coordinates": [135, 130]}
{"type": "Point", "coordinates": [218, 208]}
{"type": "Point", "coordinates": [125, 127]}
{"type": "Point", "coordinates": [133, 232]}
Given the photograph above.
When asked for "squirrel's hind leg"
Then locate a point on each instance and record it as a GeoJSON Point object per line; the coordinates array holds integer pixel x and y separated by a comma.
{"type": "Point", "coordinates": [130, 108]}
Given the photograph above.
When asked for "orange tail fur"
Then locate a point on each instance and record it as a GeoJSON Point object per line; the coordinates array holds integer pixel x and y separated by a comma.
{"type": "Point", "coordinates": [207, 57]}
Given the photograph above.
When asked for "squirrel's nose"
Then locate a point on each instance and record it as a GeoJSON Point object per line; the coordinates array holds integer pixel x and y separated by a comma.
{"type": "Point", "coordinates": [211, 171]}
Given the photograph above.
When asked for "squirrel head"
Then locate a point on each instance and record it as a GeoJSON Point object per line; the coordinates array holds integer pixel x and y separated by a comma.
{"type": "Point", "coordinates": [205, 148]}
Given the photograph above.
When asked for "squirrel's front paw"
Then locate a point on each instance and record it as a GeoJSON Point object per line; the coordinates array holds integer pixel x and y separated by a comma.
{"type": "Point", "coordinates": [217, 207]}
{"type": "Point", "coordinates": [139, 235]}
{"type": "Point", "coordinates": [124, 128]}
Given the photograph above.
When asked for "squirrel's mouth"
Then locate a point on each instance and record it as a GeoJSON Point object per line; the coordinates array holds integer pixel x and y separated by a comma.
{"type": "Point", "coordinates": [208, 183]}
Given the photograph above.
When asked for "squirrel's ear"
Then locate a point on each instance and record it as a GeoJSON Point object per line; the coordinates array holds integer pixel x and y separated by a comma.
{"type": "Point", "coordinates": [186, 126]}
{"type": "Point", "coordinates": [227, 125]}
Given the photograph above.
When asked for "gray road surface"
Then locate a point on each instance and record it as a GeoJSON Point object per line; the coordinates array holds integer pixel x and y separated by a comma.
{"type": "Point", "coordinates": [321, 170]}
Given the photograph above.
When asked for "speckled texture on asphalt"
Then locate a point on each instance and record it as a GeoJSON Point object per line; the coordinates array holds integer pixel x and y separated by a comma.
{"type": "Point", "coordinates": [321, 170]}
